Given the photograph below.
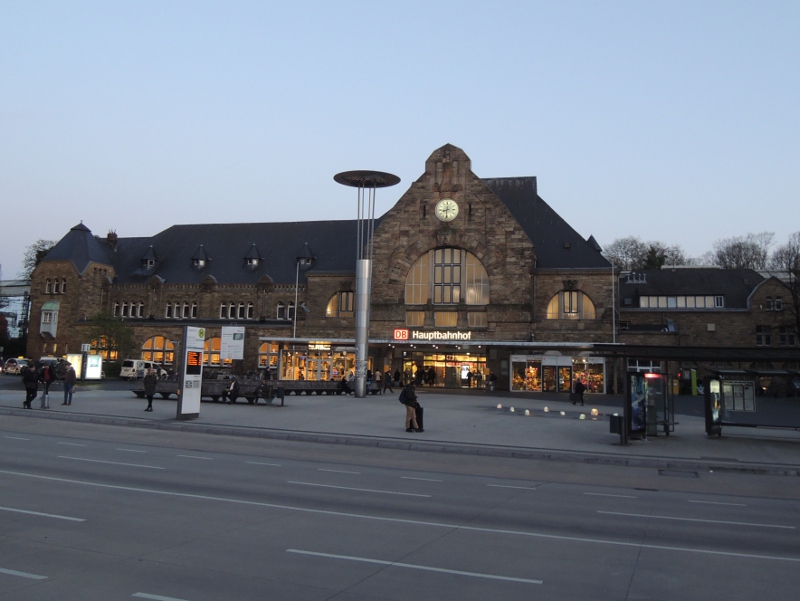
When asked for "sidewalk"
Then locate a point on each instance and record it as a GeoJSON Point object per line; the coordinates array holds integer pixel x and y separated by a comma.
{"type": "Point", "coordinates": [455, 422]}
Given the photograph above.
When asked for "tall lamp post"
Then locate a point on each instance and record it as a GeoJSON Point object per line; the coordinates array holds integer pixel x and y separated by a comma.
{"type": "Point", "coordinates": [366, 182]}
{"type": "Point", "coordinates": [305, 260]}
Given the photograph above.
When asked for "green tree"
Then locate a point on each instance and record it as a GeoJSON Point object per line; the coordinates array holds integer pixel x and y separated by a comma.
{"type": "Point", "coordinates": [111, 334]}
{"type": "Point", "coordinates": [34, 255]}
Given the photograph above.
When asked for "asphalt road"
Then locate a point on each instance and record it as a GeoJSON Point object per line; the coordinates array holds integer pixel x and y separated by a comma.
{"type": "Point", "coordinates": [97, 512]}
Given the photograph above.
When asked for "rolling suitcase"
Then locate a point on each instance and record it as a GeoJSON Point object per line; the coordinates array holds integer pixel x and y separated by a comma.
{"type": "Point", "coordinates": [45, 401]}
{"type": "Point", "coordinates": [419, 411]}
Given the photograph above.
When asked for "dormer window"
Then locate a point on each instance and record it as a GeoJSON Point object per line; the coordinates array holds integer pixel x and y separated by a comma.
{"type": "Point", "coordinates": [149, 259]}
{"type": "Point", "coordinates": [253, 258]}
{"type": "Point", "coordinates": [200, 258]}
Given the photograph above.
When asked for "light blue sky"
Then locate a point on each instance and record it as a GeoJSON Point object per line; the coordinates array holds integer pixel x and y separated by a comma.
{"type": "Point", "coordinates": [674, 121]}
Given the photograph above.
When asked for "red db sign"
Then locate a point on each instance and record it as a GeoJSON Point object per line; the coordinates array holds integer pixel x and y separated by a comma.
{"type": "Point", "coordinates": [400, 334]}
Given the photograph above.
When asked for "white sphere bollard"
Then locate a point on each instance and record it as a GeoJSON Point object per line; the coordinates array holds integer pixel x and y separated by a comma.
{"type": "Point", "coordinates": [595, 412]}
{"type": "Point", "coordinates": [563, 413]}
{"type": "Point", "coordinates": [527, 412]}
{"type": "Point", "coordinates": [499, 406]}
{"type": "Point", "coordinates": [547, 410]}
{"type": "Point", "coordinates": [582, 416]}
{"type": "Point", "coordinates": [511, 410]}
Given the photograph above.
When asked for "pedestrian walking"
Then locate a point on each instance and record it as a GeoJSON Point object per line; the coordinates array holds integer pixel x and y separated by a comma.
{"type": "Point", "coordinates": [31, 383]}
{"type": "Point", "coordinates": [150, 381]}
{"type": "Point", "coordinates": [47, 376]}
{"type": "Point", "coordinates": [409, 398]}
{"type": "Point", "coordinates": [69, 383]}
{"type": "Point", "coordinates": [387, 382]}
{"type": "Point", "coordinates": [378, 381]}
{"type": "Point", "coordinates": [579, 390]}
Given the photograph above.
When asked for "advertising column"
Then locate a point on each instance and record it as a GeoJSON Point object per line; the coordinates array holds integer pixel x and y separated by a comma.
{"type": "Point", "coordinates": [191, 373]}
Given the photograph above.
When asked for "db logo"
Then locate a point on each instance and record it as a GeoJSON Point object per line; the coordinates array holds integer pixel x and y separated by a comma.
{"type": "Point", "coordinates": [400, 334]}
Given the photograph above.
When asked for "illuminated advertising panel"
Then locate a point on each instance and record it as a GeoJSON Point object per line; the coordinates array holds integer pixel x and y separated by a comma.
{"type": "Point", "coordinates": [191, 372]}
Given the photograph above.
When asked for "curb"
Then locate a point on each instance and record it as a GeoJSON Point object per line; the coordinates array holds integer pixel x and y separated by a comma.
{"type": "Point", "coordinates": [682, 465]}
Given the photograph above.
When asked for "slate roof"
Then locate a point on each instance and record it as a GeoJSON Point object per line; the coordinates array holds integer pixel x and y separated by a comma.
{"type": "Point", "coordinates": [557, 244]}
{"type": "Point", "coordinates": [80, 247]}
{"type": "Point", "coordinates": [735, 285]}
{"type": "Point", "coordinates": [226, 246]}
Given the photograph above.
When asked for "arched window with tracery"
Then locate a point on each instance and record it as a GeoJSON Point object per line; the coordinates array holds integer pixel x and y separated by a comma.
{"type": "Point", "coordinates": [159, 349]}
{"type": "Point", "coordinates": [570, 304]}
{"type": "Point", "coordinates": [340, 305]}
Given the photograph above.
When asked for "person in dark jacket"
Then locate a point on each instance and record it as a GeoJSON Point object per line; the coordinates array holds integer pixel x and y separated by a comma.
{"type": "Point", "coordinates": [580, 388]}
{"type": "Point", "coordinates": [69, 383]}
{"type": "Point", "coordinates": [387, 382]}
{"type": "Point", "coordinates": [30, 380]}
{"type": "Point", "coordinates": [233, 390]}
{"type": "Point", "coordinates": [410, 401]}
{"type": "Point", "coordinates": [149, 382]}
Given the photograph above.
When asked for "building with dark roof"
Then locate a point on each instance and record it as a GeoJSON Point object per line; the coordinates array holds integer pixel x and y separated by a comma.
{"type": "Point", "coordinates": [498, 276]}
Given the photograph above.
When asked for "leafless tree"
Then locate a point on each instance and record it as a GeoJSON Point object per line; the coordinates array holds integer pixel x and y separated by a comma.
{"type": "Point", "coordinates": [34, 255]}
{"type": "Point", "coordinates": [631, 253]}
{"type": "Point", "coordinates": [786, 263]}
{"type": "Point", "coordinates": [743, 252]}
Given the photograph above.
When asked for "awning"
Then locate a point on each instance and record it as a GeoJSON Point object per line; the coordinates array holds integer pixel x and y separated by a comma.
{"type": "Point", "coordinates": [51, 306]}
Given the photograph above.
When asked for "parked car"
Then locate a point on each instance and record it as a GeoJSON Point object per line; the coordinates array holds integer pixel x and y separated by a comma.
{"type": "Point", "coordinates": [57, 367]}
{"type": "Point", "coordinates": [14, 366]}
{"type": "Point", "coordinates": [137, 368]}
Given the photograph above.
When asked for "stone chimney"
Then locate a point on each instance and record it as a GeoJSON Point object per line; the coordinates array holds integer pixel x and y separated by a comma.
{"type": "Point", "coordinates": [112, 239]}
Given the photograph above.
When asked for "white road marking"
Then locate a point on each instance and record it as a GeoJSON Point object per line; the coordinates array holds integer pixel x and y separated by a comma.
{"type": "Point", "coordinates": [361, 516]}
{"type": "Point", "coordinates": [717, 503]}
{"type": "Point", "coordinates": [130, 450]}
{"type": "Point", "coordinates": [152, 467]}
{"type": "Point", "coordinates": [196, 457]}
{"type": "Point", "coordinates": [259, 463]}
{"type": "Point", "coordinates": [46, 515]}
{"type": "Point", "coordinates": [320, 469]}
{"type": "Point", "coordinates": [156, 597]}
{"type": "Point", "coordinates": [666, 517]}
{"type": "Point", "coordinates": [72, 444]}
{"type": "Point", "coordinates": [22, 574]}
{"type": "Point", "coordinates": [421, 479]}
{"type": "Point", "coordinates": [415, 567]}
{"type": "Point", "coordinates": [16, 438]}
{"type": "Point", "coordinates": [517, 487]}
{"type": "Point", "coordinates": [382, 492]}
{"type": "Point", "coordinates": [600, 494]}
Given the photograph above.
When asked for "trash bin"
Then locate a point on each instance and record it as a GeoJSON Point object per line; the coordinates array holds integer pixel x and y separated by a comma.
{"type": "Point", "coordinates": [616, 424]}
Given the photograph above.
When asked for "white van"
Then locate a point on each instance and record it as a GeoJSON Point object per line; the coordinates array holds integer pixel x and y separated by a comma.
{"type": "Point", "coordinates": [137, 368]}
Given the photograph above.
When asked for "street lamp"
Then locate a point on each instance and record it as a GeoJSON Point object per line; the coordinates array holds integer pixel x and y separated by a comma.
{"type": "Point", "coordinates": [366, 182]}
{"type": "Point", "coordinates": [305, 260]}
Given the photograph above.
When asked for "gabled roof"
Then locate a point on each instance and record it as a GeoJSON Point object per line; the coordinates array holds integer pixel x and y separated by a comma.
{"type": "Point", "coordinates": [80, 247]}
{"type": "Point", "coordinates": [734, 284]}
{"type": "Point", "coordinates": [556, 243]}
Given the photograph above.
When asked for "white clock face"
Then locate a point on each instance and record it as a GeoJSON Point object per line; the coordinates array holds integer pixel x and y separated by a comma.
{"type": "Point", "coordinates": [446, 209]}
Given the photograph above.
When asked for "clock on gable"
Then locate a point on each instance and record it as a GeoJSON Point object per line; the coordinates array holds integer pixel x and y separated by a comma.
{"type": "Point", "coordinates": [446, 209]}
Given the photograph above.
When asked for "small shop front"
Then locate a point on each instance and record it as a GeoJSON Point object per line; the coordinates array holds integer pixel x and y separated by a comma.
{"type": "Point", "coordinates": [307, 360]}
{"type": "Point", "coordinates": [443, 368]}
{"type": "Point", "coordinates": [554, 372]}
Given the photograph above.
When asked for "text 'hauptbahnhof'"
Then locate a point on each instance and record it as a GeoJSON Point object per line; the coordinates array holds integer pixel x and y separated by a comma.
{"type": "Point", "coordinates": [471, 277]}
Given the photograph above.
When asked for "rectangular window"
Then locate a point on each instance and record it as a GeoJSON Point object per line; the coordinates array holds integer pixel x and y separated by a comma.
{"type": "Point", "coordinates": [672, 302]}
{"type": "Point", "coordinates": [681, 302]}
{"type": "Point", "coordinates": [346, 304]}
{"type": "Point", "coordinates": [690, 304]}
{"type": "Point", "coordinates": [739, 396]}
{"type": "Point", "coordinates": [778, 303]}
{"type": "Point", "coordinates": [662, 302]}
{"type": "Point", "coordinates": [709, 302]}
{"type": "Point", "coordinates": [763, 336]}
{"type": "Point", "coordinates": [644, 302]}
{"type": "Point", "coordinates": [477, 319]}
{"type": "Point", "coordinates": [786, 336]}
{"type": "Point", "coordinates": [47, 317]}
{"type": "Point", "coordinates": [415, 318]}
{"type": "Point", "coordinates": [445, 319]}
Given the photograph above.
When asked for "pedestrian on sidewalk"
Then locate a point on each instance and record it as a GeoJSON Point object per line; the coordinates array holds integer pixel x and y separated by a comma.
{"type": "Point", "coordinates": [579, 390]}
{"type": "Point", "coordinates": [149, 382]}
{"type": "Point", "coordinates": [31, 383]}
{"type": "Point", "coordinates": [46, 378]}
{"type": "Point", "coordinates": [387, 382]}
{"type": "Point", "coordinates": [69, 383]}
{"type": "Point", "coordinates": [409, 398]}
{"type": "Point", "coordinates": [378, 381]}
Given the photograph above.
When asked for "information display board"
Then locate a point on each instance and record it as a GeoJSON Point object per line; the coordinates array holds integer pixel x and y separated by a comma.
{"type": "Point", "coordinates": [191, 372]}
{"type": "Point", "coordinates": [232, 343]}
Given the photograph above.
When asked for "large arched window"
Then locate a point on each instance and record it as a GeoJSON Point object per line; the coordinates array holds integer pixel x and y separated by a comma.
{"type": "Point", "coordinates": [570, 304]}
{"type": "Point", "coordinates": [447, 276]}
{"type": "Point", "coordinates": [211, 353]}
{"type": "Point", "coordinates": [340, 305]}
{"type": "Point", "coordinates": [159, 349]}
